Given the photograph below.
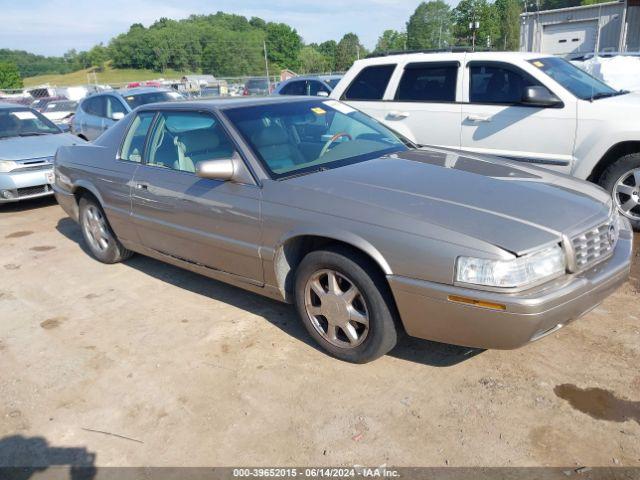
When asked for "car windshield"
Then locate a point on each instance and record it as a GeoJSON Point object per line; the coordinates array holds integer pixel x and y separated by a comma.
{"type": "Point", "coordinates": [151, 97]}
{"type": "Point", "coordinates": [295, 138]}
{"type": "Point", "coordinates": [577, 81]}
{"type": "Point", "coordinates": [24, 122]}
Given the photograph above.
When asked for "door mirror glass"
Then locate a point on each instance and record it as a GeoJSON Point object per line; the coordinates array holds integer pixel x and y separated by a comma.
{"type": "Point", "coordinates": [221, 169]}
{"type": "Point", "coordinates": [538, 96]}
{"type": "Point", "coordinates": [117, 116]}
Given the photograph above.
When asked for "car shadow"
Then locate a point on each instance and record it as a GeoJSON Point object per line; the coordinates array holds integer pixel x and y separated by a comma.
{"type": "Point", "coordinates": [277, 313]}
{"type": "Point", "coordinates": [24, 205]}
{"type": "Point", "coordinates": [22, 458]}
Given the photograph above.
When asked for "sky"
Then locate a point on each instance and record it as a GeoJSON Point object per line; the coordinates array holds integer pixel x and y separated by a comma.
{"type": "Point", "coordinates": [51, 27]}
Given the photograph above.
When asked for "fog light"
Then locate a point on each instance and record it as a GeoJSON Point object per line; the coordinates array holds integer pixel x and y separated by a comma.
{"type": "Point", "coordinates": [6, 194]}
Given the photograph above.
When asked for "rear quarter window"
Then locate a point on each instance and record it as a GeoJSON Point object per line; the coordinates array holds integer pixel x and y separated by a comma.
{"type": "Point", "coordinates": [370, 83]}
{"type": "Point", "coordinates": [428, 82]}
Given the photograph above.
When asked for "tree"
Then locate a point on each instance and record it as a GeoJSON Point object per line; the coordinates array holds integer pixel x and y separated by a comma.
{"type": "Point", "coordinates": [508, 13]}
{"type": "Point", "coordinates": [471, 11]}
{"type": "Point", "coordinates": [312, 61]}
{"type": "Point", "coordinates": [98, 56]}
{"type": "Point", "coordinates": [391, 41]}
{"type": "Point", "coordinates": [9, 75]}
{"type": "Point", "coordinates": [328, 49]}
{"type": "Point", "coordinates": [283, 45]}
{"type": "Point", "coordinates": [348, 51]}
{"type": "Point", "coordinates": [430, 26]}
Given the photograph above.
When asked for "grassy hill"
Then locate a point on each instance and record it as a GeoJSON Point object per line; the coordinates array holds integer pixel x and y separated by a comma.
{"type": "Point", "coordinates": [108, 75]}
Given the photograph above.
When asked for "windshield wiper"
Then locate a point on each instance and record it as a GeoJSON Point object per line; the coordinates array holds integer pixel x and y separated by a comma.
{"type": "Point", "coordinates": [32, 134]}
{"type": "Point", "coordinates": [600, 95]}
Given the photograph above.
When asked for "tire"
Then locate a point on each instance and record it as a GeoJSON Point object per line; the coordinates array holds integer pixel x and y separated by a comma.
{"type": "Point", "coordinates": [618, 176]}
{"type": "Point", "coordinates": [367, 313]}
{"type": "Point", "coordinates": [97, 233]}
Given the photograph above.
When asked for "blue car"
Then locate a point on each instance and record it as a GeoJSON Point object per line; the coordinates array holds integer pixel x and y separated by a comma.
{"type": "Point", "coordinates": [317, 85]}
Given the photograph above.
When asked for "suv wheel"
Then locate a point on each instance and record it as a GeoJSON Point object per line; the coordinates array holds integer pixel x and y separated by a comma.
{"type": "Point", "coordinates": [97, 233]}
{"type": "Point", "coordinates": [622, 179]}
{"type": "Point", "coordinates": [345, 305]}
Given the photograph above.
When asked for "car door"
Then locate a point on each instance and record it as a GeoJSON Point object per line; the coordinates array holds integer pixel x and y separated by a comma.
{"type": "Point", "coordinates": [423, 104]}
{"type": "Point", "coordinates": [494, 120]}
{"type": "Point", "coordinates": [208, 222]}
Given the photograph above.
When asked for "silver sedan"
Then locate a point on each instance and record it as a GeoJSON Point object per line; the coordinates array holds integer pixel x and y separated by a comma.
{"type": "Point", "coordinates": [314, 203]}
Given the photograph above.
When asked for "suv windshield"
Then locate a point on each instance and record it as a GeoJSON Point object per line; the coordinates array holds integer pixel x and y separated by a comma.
{"type": "Point", "coordinates": [294, 138]}
{"type": "Point", "coordinates": [152, 97]}
{"type": "Point", "coordinates": [24, 122]}
{"type": "Point", "coordinates": [577, 81]}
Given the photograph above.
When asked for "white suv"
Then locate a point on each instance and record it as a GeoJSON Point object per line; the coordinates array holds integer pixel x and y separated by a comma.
{"type": "Point", "coordinates": [524, 106]}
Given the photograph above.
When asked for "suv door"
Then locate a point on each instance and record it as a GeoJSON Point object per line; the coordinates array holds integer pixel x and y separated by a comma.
{"type": "Point", "coordinates": [208, 222]}
{"type": "Point", "coordinates": [423, 106]}
{"type": "Point", "coordinates": [495, 121]}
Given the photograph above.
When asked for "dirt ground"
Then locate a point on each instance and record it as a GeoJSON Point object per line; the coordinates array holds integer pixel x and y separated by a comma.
{"type": "Point", "coordinates": [145, 364]}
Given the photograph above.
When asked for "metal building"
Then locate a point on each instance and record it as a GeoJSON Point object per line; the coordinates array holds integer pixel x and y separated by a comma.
{"type": "Point", "coordinates": [574, 31]}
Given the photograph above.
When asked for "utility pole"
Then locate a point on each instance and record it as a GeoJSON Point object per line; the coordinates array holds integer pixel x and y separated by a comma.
{"type": "Point", "coordinates": [266, 65]}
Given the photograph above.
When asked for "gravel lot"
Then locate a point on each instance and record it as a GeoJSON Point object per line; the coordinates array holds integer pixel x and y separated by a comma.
{"type": "Point", "coordinates": [145, 364]}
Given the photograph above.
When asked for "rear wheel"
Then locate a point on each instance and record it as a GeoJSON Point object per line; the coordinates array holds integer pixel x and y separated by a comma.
{"type": "Point", "coordinates": [345, 305]}
{"type": "Point", "coordinates": [622, 179]}
{"type": "Point", "coordinates": [97, 233]}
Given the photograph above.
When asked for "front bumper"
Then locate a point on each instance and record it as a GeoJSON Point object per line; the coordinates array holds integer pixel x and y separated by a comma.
{"type": "Point", "coordinates": [427, 312]}
{"type": "Point", "coordinates": [22, 185]}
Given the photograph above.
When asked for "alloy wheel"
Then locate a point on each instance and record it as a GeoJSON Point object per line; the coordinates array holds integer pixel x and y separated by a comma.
{"type": "Point", "coordinates": [336, 308]}
{"type": "Point", "coordinates": [95, 228]}
{"type": "Point", "coordinates": [626, 194]}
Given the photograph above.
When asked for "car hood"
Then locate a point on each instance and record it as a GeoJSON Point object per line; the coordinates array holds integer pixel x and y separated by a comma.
{"type": "Point", "coordinates": [24, 148]}
{"type": "Point", "coordinates": [514, 207]}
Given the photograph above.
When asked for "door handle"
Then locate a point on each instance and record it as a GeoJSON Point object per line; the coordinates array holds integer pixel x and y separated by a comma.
{"type": "Point", "coordinates": [395, 115]}
{"type": "Point", "coordinates": [479, 118]}
{"type": "Point", "coordinates": [142, 186]}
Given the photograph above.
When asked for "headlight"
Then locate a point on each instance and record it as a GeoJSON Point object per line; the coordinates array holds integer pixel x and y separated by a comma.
{"type": "Point", "coordinates": [7, 166]}
{"type": "Point", "coordinates": [519, 272]}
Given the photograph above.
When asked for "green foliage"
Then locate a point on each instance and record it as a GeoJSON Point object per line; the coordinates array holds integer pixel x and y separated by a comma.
{"type": "Point", "coordinates": [348, 51]}
{"type": "Point", "coordinates": [508, 14]}
{"type": "Point", "coordinates": [30, 64]}
{"type": "Point", "coordinates": [312, 61]}
{"type": "Point", "coordinates": [328, 49]}
{"type": "Point", "coordinates": [482, 11]}
{"type": "Point", "coordinates": [9, 75]}
{"type": "Point", "coordinates": [283, 45]}
{"type": "Point", "coordinates": [430, 26]}
{"type": "Point", "coordinates": [391, 41]}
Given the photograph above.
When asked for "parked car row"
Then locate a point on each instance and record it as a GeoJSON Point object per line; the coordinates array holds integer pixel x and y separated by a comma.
{"type": "Point", "coordinates": [375, 211]}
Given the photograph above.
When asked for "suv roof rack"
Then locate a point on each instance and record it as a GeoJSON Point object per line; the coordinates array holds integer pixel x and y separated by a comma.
{"type": "Point", "coordinates": [461, 49]}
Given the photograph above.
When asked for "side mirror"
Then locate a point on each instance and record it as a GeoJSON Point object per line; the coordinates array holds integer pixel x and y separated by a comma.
{"type": "Point", "coordinates": [539, 96]}
{"type": "Point", "coordinates": [117, 116]}
{"type": "Point", "coordinates": [65, 127]}
{"type": "Point", "coordinates": [225, 170]}
{"type": "Point", "coordinates": [323, 94]}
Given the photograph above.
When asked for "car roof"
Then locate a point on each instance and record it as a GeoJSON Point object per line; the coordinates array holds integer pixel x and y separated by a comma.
{"type": "Point", "coordinates": [443, 56]}
{"type": "Point", "coordinates": [140, 90]}
{"type": "Point", "coordinates": [226, 103]}
{"type": "Point", "coordinates": [8, 105]}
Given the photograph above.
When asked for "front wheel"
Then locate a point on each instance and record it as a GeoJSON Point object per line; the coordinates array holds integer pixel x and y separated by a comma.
{"type": "Point", "coordinates": [622, 179]}
{"type": "Point", "coordinates": [345, 305]}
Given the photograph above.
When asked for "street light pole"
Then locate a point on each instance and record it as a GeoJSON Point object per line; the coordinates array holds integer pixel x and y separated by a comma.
{"type": "Point", "coordinates": [266, 66]}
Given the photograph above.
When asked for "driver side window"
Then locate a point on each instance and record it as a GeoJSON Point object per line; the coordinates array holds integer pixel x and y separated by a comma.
{"type": "Point", "coordinates": [182, 139]}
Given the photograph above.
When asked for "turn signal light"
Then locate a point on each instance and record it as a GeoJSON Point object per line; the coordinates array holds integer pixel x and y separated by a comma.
{"type": "Point", "coordinates": [476, 303]}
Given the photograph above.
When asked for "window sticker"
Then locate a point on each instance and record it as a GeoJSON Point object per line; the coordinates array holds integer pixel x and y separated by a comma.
{"type": "Point", "coordinates": [319, 111]}
{"type": "Point", "coordinates": [341, 107]}
{"type": "Point", "coordinates": [26, 115]}
{"type": "Point", "coordinates": [538, 64]}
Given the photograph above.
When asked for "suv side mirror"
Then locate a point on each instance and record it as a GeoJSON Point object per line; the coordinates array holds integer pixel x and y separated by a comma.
{"type": "Point", "coordinates": [539, 96]}
{"type": "Point", "coordinates": [225, 170]}
{"type": "Point", "coordinates": [323, 94]}
{"type": "Point", "coordinates": [117, 116]}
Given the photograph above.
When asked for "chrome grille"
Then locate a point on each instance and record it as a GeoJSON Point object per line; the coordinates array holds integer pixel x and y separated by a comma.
{"type": "Point", "coordinates": [595, 244]}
